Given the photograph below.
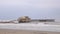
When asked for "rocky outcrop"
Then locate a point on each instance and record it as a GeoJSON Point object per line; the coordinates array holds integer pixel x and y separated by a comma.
{"type": "Point", "coordinates": [24, 19]}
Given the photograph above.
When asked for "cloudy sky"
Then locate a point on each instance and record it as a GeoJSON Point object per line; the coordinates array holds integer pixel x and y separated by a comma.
{"type": "Point", "coordinates": [12, 9]}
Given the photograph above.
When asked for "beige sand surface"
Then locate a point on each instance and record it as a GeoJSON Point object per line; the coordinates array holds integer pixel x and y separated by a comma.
{"type": "Point", "coordinates": [9, 31]}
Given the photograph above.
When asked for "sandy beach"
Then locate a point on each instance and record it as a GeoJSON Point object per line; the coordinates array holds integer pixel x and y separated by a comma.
{"type": "Point", "coordinates": [10, 31]}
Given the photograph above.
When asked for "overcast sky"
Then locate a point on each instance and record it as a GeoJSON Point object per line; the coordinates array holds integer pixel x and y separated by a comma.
{"type": "Point", "coordinates": [12, 9]}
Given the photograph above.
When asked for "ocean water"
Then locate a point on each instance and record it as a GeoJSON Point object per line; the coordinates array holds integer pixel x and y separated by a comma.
{"type": "Point", "coordinates": [32, 26]}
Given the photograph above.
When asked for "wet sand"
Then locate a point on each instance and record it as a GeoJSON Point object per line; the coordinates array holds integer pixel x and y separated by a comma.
{"type": "Point", "coordinates": [10, 31]}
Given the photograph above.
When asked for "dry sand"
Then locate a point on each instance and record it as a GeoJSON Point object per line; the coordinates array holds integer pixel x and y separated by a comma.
{"type": "Point", "coordinates": [10, 31]}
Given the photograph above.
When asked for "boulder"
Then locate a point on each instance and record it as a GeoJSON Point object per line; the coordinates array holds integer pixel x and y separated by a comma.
{"type": "Point", "coordinates": [24, 19]}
